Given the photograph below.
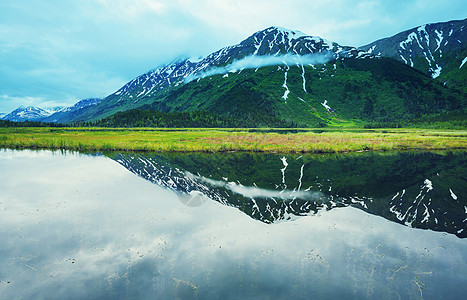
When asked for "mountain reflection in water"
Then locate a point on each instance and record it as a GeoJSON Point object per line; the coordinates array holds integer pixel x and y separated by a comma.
{"type": "Point", "coordinates": [418, 189]}
{"type": "Point", "coordinates": [77, 226]}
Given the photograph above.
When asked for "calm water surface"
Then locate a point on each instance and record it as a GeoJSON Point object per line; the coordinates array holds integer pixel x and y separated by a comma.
{"type": "Point", "coordinates": [232, 226]}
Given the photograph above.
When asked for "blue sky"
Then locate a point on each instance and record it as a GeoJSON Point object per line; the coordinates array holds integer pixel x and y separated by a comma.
{"type": "Point", "coordinates": [57, 52]}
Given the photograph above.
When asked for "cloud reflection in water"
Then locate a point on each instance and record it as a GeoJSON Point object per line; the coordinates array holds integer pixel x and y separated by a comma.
{"type": "Point", "coordinates": [78, 226]}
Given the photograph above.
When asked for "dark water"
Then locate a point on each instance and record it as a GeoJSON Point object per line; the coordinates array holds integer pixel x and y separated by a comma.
{"type": "Point", "coordinates": [232, 226]}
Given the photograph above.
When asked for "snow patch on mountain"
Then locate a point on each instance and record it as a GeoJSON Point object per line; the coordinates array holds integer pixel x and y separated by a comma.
{"type": "Point", "coordinates": [436, 72]}
{"type": "Point", "coordinates": [410, 38]}
{"type": "Point", "coordinates": [439, 39]}
{"type": "Point", "coordinates": [284, 85]}
{"type": "Point", "coordinates": [325, 104]}
{"type": "Point", "coordinates": [463, 62]}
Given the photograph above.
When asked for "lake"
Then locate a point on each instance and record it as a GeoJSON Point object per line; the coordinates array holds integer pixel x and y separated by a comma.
{"type": "Point", "coordinates": [232, 225]}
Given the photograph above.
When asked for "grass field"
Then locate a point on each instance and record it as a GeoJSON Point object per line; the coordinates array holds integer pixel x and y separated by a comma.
{"type": "Point", "coordinates": [218, 140]}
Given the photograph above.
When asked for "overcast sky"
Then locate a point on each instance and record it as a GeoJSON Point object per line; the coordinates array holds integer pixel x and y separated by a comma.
{"type": "Point", "coordinates": [57, 52]}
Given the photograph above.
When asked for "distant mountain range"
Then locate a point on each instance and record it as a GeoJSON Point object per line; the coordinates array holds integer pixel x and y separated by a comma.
{"type": "Point", "coordinates": [281, 77]}
{"type": "Point", "coordinates": [29, 113]}
{"type": "Point", "coordinates": [66, 113]}
{"type": "Point", "coordinates": [56, 114]}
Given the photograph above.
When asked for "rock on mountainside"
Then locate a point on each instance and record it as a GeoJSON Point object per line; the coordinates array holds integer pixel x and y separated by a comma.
{"type": "Point", "coordinates": [435, 49]}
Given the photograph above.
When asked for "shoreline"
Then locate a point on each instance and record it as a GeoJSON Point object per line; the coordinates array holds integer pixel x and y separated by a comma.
{"type": "Point", "coordinates": [335, 140]}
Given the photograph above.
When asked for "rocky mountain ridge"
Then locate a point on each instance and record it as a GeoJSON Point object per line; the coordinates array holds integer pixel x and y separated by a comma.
{"type": "Point", "coordinates": [436, 49]}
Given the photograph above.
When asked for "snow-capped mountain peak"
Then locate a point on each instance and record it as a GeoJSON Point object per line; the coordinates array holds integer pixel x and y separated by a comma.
{"type": "Point", "coordinates": [272, 41]}
{"type": "Point", "coordinates": [82, 104]}
{"type": "Point", "coordinates": [278, 40]}
{"type": "Point", "coordinates": [294, 33]}
{"type": "Point", "coordinates": [55, 109]}
{"type": "Point", "coordinates": [432, 48]}
{"type": "Point", "coordinates": [23, 113]}
{"type": "Point", "coordinates": [32, 113]}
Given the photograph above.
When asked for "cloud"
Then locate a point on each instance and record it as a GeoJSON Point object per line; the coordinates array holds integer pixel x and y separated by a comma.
{"type": "Point", "coordinates": [67, 51]}
{"type": "Point", "coordinates": [134, 8]}
{"type": "Point", "coordinates": [18, 101]}
{"type": "Point", "coordinates": [254, 61]}
{"type": "Point", "coordinates": [256, 192]}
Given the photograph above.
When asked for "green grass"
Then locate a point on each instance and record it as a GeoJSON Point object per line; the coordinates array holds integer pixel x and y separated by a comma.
{"type": "Point", "coordinates": [218, 140]}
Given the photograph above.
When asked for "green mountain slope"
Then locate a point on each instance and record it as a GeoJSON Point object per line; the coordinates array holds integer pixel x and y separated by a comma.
{"type": "Point", "coordinates": [340, 92]}
{"type": "Point", "coordinates": [278, 78]}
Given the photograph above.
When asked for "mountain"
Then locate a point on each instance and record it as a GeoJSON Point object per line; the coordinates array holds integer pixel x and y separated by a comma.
{"type": "Point", "coordinates": [58, 114]}
{"type": "Point", "coordinates": [422, 190]}
{"type": "Point", "coordinates": [279, 78]}
{"type": "Point", "coordinates": [435, 49]}
{"type": "Point", "coordinates": [272, 41]}
{"type": "Point", "coordinates": [29, 113]}
{"type": "Point", "coordinates": [273, 46]}
{"type": "Point", "coordinates": [53, 110]}
{"type": "Point", "coordinates": [67, 113]}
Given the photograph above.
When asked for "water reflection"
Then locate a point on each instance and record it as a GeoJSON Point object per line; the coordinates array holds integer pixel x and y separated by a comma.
{"type": "Point", "coordinates": [77, 226]}
{"type": "Point", "coordinates": [417, 189]}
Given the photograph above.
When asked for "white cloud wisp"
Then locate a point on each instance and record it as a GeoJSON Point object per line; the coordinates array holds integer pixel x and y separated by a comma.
{"type": "Point", "coordinates": [256, 192]}
{"type": "Point", "coordinates": [254, 62]}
